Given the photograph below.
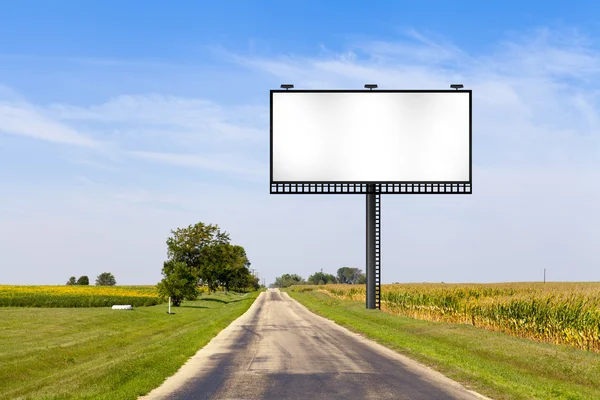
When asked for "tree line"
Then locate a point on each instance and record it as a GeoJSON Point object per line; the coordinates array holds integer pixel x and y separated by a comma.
{"type": "Point", "coordinates": [198, 255]}
{"type": "Point", "coordinates": [104, 279]}
{"type": "Point", "coordinates": [347, 275]}
{"type": "Point", "coordinates": [202, 255]}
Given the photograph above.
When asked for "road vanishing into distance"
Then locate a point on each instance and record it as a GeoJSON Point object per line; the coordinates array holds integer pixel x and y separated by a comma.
{"type": "Point", "coordinates": [280, 350]}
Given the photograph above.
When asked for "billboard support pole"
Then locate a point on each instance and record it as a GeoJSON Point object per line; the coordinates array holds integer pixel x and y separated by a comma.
{"type": "Point", "coordinates": [373, 248]}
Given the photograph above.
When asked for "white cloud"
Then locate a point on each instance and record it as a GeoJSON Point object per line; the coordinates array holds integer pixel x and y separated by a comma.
{"type": "Point", "coordinates": [154, 128]}
{"type": "Point", "coordinates": [234, 163]}
{"type": "Point", "coordinates": [552, 54]}
{"type": "Point", "coordinates": [24, 120]}
{"type": "Point", "coordinates": [202, 118]}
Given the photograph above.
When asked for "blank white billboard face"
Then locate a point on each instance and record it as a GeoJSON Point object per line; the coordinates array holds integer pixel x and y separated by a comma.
{"type": "Point", "coordinates": [371, 136]}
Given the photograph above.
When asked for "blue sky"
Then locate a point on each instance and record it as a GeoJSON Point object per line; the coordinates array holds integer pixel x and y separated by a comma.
{"type": "Point", "coordinates": [120, 122]}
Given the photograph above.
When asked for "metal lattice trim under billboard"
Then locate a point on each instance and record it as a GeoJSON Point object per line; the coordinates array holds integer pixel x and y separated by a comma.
{"type": "Point", "coordinates": [358, 188]}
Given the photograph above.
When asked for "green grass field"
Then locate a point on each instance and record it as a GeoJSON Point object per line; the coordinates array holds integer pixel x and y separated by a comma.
{"type": "Point", "coordinates": [492, 363]}
{"type": "Point", "coordinates": [100, 353]}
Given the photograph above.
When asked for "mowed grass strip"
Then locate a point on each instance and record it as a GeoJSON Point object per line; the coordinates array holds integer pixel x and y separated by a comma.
{"type": "Point", "coordinates": [492, 363]}
{"type": "Point", "coordinates": [100, 353]}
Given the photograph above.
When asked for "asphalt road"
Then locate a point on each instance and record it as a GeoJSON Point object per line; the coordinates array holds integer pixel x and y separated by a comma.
{"type": "Point", "coordinates": [280, 350]}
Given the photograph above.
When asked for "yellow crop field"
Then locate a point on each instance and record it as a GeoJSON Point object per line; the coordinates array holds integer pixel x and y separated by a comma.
{"type": "Point", "coordinates": [77, 296]}
{"type": "Point", "coordinates": [560, 313]}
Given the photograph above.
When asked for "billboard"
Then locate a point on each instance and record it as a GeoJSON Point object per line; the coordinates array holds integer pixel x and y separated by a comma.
{"type": "Point", "coordinates": [349, 139]}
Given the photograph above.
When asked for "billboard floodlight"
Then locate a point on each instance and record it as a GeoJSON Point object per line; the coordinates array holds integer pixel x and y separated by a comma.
{"type": "Point", "coordinates": [287, 86]}
{"type": "Point", "coordinates": [370, 86]}
{"type": "Point", "coordinates": [457, 86]}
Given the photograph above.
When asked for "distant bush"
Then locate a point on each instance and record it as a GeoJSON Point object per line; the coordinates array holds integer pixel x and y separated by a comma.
{"type": "Point", "coordinates": [83, 280]}
{"type": "Point", "coordinates": [106, 279]}
{"type": "Point", "coordinates": [287, 280]}
{"type": "Point", "coordinates": [321, 278]}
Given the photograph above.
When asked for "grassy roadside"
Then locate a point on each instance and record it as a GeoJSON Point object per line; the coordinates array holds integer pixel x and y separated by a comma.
{"type": "Point", "coordinates": [492, 363]}
{"type": "Point", "coordinates": [100, 353]}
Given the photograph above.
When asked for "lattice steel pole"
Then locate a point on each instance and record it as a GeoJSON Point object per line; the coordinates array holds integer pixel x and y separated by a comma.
{"type": "Point", "coordinates": [371, 247]}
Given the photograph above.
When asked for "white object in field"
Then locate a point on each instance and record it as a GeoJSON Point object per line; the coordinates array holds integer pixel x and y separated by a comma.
{"type": "Point", "coordinates": [126, 307]}
{"type": "Point", "coordinates": [169, 305]}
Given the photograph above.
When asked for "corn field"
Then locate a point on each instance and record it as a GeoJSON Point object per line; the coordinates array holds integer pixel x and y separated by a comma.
{"type": "Point", "coordinates": [560, 313]}
{"type": "Point", "coordinates": [77, 296]}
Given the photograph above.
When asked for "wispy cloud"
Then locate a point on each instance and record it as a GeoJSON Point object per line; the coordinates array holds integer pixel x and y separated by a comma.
{"type": "Point", "coordinates": [416, 49]}
{"type": "Point", "coordinates": [155, 128]}
{"type": "Point", "coordinates": [548, 53]}
{"type": "Point", "coordinates": [104, 163]}
{"type": "Point", "coordinates": [97, 61]}
{"type": "Point", "coordinates": [234, 163]}
{"type": "Point", "coordinates": [170, 119]}
{"type": "Point", "coordinates": [25, 120]}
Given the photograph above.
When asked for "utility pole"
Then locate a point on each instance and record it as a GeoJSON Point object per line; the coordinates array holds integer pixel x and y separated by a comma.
{"type": "Point", "coordinates": [544, 275]}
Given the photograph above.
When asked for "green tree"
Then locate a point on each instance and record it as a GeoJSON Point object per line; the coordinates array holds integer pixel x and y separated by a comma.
{"type": "Point", "coordinates": [106, 279]}
{"type": "Point", "coordinates": [321, 278]}
{"type": "Point", "coordinates": [287, 280]}
{"type": "Point", "coordinates": [235, 273]}
{"type": "Point", "coordinates": [221, 263]}
{"type": "Point", "coordinates": [210, 257]}
{"type": "Point", "coordinates": [350, 275]}
{"type": "Point", "coordinates": [83, 280]}
{"type": "Point", "coordinates": [179, 283]}
{"type": "Point", "coordinates": [244, 280]}
{"type": "Point", "coordinates": [186, 244]}
{"type": "Point", "coordinates": [72, 281]}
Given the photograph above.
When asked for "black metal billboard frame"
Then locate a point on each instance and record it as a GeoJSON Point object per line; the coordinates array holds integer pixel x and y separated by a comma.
{"type": "Point", "coordinates": [373, 192]}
